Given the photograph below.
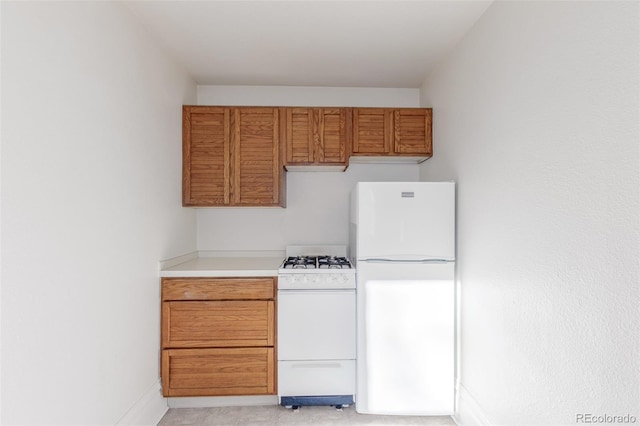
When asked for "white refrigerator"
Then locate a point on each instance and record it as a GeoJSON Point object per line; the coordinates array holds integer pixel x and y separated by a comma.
{"type": "Point", "coordinates": [402, 242]}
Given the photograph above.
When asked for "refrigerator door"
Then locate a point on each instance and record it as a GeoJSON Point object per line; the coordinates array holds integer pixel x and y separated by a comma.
{"type": "Point", "coordinates": [405, 220]}
{"type": "Point", "coordinates": [405, 348]}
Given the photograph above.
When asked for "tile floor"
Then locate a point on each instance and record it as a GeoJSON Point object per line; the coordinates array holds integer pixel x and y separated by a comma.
{"type": "Point", "coordinates": [277, 415]}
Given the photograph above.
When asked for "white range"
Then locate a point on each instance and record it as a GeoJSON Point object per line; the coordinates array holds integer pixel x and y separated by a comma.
{"type": "Point", "coordinates": [316, 327]}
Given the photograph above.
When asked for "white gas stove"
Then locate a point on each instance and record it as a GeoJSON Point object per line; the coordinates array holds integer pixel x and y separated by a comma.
{"type": "Point", "coordinates": [316, 327]}
{"type": "Point", "coordinates": [316, 267]}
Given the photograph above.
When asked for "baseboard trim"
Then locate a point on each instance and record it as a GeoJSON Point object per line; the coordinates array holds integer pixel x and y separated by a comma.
{"type": "Point", "coordinates": [468, 411]}
{"type": "Point", "coordinates": [221, 401]}
{"type": "Point", "coordinates": [148, 410]}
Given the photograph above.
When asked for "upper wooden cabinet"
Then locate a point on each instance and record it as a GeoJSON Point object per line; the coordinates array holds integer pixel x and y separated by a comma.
{"type": "Point", "coordinates": [234, 156]}
{"type": "Point", "coordinates": [257, 175]}
{"type": "Point", "coordinates": [316, 136]}
{"type": "Point", "coordinates": [231, 157]}
{"type": "Point", "coordinates": [392, 132]}
{"type": "Point", "coordinates": [206, 148]}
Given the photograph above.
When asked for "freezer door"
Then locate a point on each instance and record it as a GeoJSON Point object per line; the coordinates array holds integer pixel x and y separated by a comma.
{"type": "Point", "coordinates": [405, 339]}
{"type": "Point", "coordinates": [405, 220]}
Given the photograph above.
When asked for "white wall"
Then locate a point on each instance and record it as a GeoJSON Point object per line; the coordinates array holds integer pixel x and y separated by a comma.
{"type": "Point", "coordinates": [317, 211]}
{"type": "Point", "coordinates": [317, 203]}
{"type": "Point", "coordinates": [536, 117]}
{"type": "Point", "coordinates": [91, 201]}
{"type": "Point", "coordinates": [308, 96]}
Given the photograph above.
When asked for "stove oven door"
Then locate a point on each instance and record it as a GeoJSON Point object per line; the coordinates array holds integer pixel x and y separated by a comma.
{"type": "Point", "coordinates": [316, 342]}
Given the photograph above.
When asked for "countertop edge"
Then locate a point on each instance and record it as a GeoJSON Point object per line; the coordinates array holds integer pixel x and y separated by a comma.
{"type": "Point", "coordinates": [223, 264]}
{"type": "Point", "coordinates": [219, 273]}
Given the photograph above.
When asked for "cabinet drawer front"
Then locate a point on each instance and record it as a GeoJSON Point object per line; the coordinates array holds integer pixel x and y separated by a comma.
{"type": "Point", "coordinates": [214, 372]}
{"type": "Point", "coordinates": [218, 288]}
{"type": "Point", "coordinates": [218, 323]}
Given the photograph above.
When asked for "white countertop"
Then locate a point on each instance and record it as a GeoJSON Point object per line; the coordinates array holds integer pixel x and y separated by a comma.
{"type": "Point", "coordinates": [208, 265]}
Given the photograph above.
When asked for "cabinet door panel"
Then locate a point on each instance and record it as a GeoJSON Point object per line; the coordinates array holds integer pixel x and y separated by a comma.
{"type": "Point", "coordinates": [255, 157]}
{"type": "Point", "coordinates": [299, 135]}
{"type": "Point", "coordinates": [371, 130]}
{"type": "Point", "coordinates": [333, 137]}
{"type": "Point", "coordinates": [224, 371]}
{"type": "Point", "coordinates": [412, 131]}
{"type": "Point", "coordinates": [201, 324]}
{"type": "Point", "coordinates": [205, 151]}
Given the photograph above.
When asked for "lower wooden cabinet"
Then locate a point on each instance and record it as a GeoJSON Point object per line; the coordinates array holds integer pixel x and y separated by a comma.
{"type": "Point", "coordinates": [218, 323]}
{"type": "Point", "coordinates": [218, 336]}
{"type": "Point", "coordinates": [219, 371]}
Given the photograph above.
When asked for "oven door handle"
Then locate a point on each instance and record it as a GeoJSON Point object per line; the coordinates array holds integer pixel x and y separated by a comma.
{"type": "Point", "coordinates": [325, 364]}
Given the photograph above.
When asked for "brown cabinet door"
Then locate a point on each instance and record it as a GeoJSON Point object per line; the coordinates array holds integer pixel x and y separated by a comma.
{"type": "Point", "coordinates": [199, 324]}
{"type": "Point", "coordinates": [200, 288]}
{"type": "Point", "coordinates": [331, 126]}
{"type": "Point", "coordinates": [412, 131]}
{"type": "Point", "coordinates": [255, 159]}
{"type": "Point", "coordinates": [372, 129]}
{"type": "Point", "coordinates": [218, 371]}
{"type": "Point", "coordinates": [205, 156]}
{"type": "Point", "coordinates": [316, 136]}
{"type": "Point", "coordinates": [299, 140]}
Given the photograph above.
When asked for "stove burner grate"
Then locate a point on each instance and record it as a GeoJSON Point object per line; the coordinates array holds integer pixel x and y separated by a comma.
{"type": "Point", "coordinates": [333, 262]}
{"type": "Point", "coordinates": [300, 262]}
{"type": "Point", "coordinates": [313, 262]}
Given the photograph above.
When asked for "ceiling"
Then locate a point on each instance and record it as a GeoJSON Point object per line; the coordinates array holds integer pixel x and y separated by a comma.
{"type": "Point", "coordinates": [309, 43]}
